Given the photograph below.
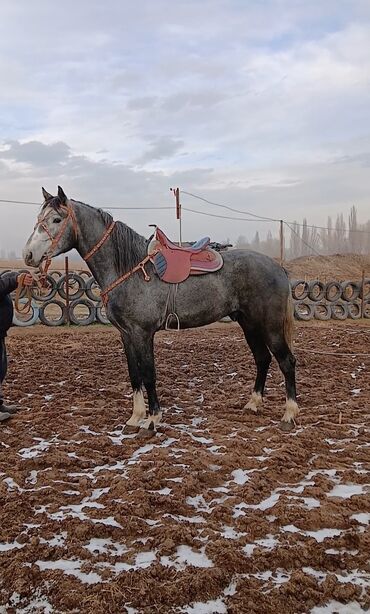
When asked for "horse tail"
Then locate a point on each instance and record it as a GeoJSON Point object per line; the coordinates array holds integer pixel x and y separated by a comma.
{"type": "Point", "coordinates": [289, 321]}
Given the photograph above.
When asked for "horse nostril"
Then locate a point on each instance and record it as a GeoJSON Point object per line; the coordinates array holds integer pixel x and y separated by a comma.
{"type": "Point", "coordinates": [29, 257]}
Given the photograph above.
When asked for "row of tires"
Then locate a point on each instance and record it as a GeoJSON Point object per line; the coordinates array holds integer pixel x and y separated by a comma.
{"type": "Point", "coordinates": [331, 291]}
{"type": "Point", "coordinates": [92, 312]}
{"type": "Point", "coordinates": [305, 311]}
{"type": "Point", "coordinates": [81, 312]}
{"type": "Point", "coordinates": [79, 285]}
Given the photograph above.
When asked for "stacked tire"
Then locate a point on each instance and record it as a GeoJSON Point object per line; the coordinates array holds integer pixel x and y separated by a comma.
{"type": "Point", "coordinates": [332, 300]}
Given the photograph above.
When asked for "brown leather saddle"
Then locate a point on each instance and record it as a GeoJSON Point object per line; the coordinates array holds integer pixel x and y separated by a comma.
{"type": "Point", "coordinates": [174, 263]}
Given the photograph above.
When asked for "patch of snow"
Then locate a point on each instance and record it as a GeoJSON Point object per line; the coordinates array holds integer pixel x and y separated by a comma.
{"type": "Point", "coordinates": [334, 607]}
{"type": "Point", "coordinates": [179, 518]}
{"type": "Point", "coordinates": [70, 568]}
{"type": "Point", "coordinates": [217, 606]}
{"type": "Point", "coordinates": [248, 549]}
{"type": "Point", "coordinates": [230, 533]}
{"type": "Point", "coordinates": [187, 556]}
{"type": "Point", "coordinates": [270, 542]}
{"type": "Point", "coordinates": [39, 603]}
{"type": "Point", "coordinates": [57, 540]}
{"type": "Point", "coordinates": [362, 518]}
{"type": "Point", "coordinates": [346, 491]}
{"type": "Point", "coordinates": [105, 546]}
{"type": "Point", "coordinates": [318, 535]}
{"type": "Point", "coordinates": [6, 546]}
{"type": "Point", "coordinates": [163, 491]}
{"type": "Point", "coordinates": [35, 450]}
{"type": "Point", "coordinates": [32, 478]}
{"type": "Point", "coordinates": [240, 476]}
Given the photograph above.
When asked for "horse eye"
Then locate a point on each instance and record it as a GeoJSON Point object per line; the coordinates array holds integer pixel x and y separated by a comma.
{"type": "Point", "coordinates": [56, 220]}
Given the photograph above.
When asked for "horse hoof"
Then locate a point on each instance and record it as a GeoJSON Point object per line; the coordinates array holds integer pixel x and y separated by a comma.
{"type": "Point", "coordinates": [129, 429]}
{"type": "Point", "coordinates": [146, 433]}
{"type": "Point", "coordinates": [252, 408]}
{"type": "Point", "coordinates": [286, 426]}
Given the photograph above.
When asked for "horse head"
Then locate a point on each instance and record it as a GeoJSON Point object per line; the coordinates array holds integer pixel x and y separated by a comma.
{"type": "Point", "coordinates": [55, 231]}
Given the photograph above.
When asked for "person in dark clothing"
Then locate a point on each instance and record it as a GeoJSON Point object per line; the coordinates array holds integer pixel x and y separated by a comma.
{"type": "Point", "coordinates": [8, 283]}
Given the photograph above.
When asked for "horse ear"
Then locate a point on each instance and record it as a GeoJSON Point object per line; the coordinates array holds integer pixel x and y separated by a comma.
{"type": "Point", "coordinates": [46, 194]}
{"type": "Point", "coordinates": [62, 197]}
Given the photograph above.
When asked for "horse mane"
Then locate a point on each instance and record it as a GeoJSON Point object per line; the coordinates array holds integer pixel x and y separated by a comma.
{"type": "Point", "coordinates": [129, 246]}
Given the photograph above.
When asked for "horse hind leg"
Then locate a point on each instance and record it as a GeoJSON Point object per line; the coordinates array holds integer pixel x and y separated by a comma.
{"type": "Point", "coordinates": [287, 363]}
{"type": "Point", "coordinates": [262, 358]}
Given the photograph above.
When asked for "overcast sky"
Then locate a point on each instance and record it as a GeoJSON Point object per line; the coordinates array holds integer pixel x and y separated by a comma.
{"type": "Point", "coordinates": [263, 106]}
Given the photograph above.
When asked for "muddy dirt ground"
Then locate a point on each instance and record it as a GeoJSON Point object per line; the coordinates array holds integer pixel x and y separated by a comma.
{"type": "Point", "coordinates": [219, 512]}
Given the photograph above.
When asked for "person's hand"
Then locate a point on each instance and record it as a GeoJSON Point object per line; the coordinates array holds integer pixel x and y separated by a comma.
{"type": "Point", "coordinates": [26, 279]}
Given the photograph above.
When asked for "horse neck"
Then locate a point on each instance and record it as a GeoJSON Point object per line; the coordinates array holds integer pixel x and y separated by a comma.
{"type": "Point", "coordinates": [110, 261]}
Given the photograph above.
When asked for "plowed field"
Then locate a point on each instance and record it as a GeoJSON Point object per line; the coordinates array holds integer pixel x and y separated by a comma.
{"type": "Point", "coordinates": [219, 512]}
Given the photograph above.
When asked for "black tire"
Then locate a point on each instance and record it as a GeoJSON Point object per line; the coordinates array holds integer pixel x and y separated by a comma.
{"type": "Point", "coordinates": [303, 311]}
{"type": "Point", "coordinates": [48, 321]}
{"type": "Point", "coordinates": [366, 289]}
{"type": "Point", "coordinates": [367, 309]}
{"type": "Point", "coordinates": [354, 311]}
{"type": "Point", "coordinates": [92, 284]}
{"type": "Point", "coordinates": [85, 275]}
{"type": "Point", "coordinates": [333, 291]}
{"type": "Point", "coordinates": [101, 315]}
{"type": "Point", "coordinates": [299, 294]}
{"type": "Point", "coordinates": [51, 290]}
{"type": "Point", "coordinates": [339, 311]}
{"type": "Point", "coordinates": [87, 320]}
{"type": "Point", "coordinates": [350, 290]}
{"type": "Point", "coordinates": [73, 296]}
{"type": "Point", "coordinates": [316, 291]}
{"type": "Point", "coordinates": [322, 311]}
{"type": "Point", "coordinates": [56, 275]}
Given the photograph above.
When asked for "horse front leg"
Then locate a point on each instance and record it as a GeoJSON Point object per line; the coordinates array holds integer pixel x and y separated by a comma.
{"type": "Point", "coordinates": [139, 349]}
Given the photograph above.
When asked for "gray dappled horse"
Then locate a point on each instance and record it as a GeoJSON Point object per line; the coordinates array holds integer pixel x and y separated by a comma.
{"type": "Point", "coordinates": [250, 288]}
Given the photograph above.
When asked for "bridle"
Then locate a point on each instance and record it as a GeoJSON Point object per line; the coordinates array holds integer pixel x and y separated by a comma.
{"type": "Point", "coordinates": [71, 216]}
{"type": "Point", "coordinates": [41, 222]}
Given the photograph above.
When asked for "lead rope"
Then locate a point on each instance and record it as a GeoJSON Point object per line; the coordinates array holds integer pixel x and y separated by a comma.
{"type": "Point", "coordinates": [40, 283]}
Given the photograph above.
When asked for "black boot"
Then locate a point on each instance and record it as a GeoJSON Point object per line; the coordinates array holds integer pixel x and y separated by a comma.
{"type": "Point", "coordinates": [8, 409]}
{"type": "Point", "coordinates": [4, 415]}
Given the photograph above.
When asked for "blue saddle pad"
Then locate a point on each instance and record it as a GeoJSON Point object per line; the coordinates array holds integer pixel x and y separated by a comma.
{"type": "Point", "coordinates": [160, 264]}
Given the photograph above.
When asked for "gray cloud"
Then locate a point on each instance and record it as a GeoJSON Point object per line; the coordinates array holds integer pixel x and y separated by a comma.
{"type": "Point", "coordinates": [36, 153]}
{"type": "Point", "coordinates": [161, 147]}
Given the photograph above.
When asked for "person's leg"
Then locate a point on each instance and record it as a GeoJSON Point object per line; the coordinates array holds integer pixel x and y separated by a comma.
{"type": "Point", "coordinates": [3, 367]}
{"type": "Point", "coordinates": [8, 409]}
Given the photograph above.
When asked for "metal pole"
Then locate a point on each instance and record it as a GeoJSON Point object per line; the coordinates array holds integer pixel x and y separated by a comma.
{"type": "Point", "coordinates": [363, 294]}
{"type": "Point", "coordinates": [66, 271]}
{"type": "Point", "coordinates": [180, 225]}
{"type": "Point", "coordinates": [176, 193]}
{"type": "Point", "coordinates": [281, 242]}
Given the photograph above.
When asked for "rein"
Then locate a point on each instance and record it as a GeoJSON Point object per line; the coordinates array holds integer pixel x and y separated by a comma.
{"type": "Point", "coordinates": [120, 280]}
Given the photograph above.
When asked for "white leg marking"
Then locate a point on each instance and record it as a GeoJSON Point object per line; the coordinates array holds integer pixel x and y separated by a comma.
{"type": "Point", "coordinates": [155, 419]}
{"type": "Point", "coordinates": [254, 402]}
{"type": "Point", "coordinates": [291, 411]}
{"type": "Point", "coordinates": [139, 409]}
